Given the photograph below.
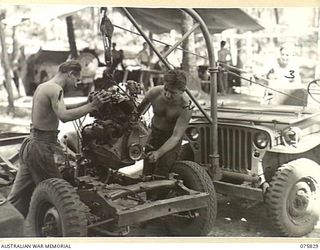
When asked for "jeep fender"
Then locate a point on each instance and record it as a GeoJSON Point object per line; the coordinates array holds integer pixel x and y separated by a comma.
{"type": "Point", "coordinates": [307, 143]}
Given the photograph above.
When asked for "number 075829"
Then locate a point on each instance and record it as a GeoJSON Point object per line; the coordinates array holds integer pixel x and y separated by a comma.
{"type": "Point", "coordinates": [308, 246]}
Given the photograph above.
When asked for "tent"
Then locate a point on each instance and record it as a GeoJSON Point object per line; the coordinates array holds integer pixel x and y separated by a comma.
{"type": "Point", "coordinates": [162, 20]}
{"type": "Point", "coordinates": [157, 20]}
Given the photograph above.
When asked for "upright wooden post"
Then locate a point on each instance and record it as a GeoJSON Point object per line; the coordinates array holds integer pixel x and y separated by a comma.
{"type": "Point", "coordinates": [6, 65]}
{"type": "Point", "coordinates": [188, 60]}
{"type": "Point", "coordinates": [71, 37]}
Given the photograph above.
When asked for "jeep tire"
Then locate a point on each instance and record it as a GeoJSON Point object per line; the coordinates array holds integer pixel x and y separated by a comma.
{"type": "Point", "coordinates": [293, 197]}
{"type": "Point", "coordinates": [194, 177]}
{"type": "Point", "coordinates": [56, 210]}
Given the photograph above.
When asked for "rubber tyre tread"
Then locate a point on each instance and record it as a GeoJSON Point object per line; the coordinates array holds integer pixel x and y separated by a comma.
{"type": "Point", "coordinates": [195, 177]}
{"type": "Point", "coordinates": [276, 196]}
{"type": "Point", "coordinates": [63, 196]}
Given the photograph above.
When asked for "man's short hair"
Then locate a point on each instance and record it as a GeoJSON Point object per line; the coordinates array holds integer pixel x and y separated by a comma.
{"type": "Point", "coordinates": [176, 78]}
{"type": "Point", "coordinates": [222, 43]}
{"type": "Point", "coordinates": [70, 66]}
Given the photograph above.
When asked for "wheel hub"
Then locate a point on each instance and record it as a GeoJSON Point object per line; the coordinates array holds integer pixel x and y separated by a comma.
{"type": "Point", "coordinates": [300, 196]}
{"type": "Point", "coordinates": [51, 223]}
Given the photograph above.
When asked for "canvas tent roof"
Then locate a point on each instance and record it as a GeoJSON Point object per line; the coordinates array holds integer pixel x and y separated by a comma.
{"type": "Point", "coordinates": [162, 20]}
{"type": "Point", "coordinates": [157, 20]}
{"type": "Point", "coordinates": [52, 56]}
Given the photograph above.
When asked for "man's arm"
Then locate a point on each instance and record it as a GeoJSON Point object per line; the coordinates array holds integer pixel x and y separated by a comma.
{"type": "Point", "coordinates": [75, 105]}
{"type": "Point", "coordinates": [122, 65]}
{"type": "Point", "coordinates": [145, 103]}
{"type": "Point", "coordinates": [270, 74]}
{"type": "Point", "coordinates": [65, 114]}
{"type": "Point", "coordinates": [138, 55]}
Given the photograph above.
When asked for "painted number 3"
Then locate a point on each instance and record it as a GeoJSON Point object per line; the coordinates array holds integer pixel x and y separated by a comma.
{"type": "Point", "coordinates": [291, 74]}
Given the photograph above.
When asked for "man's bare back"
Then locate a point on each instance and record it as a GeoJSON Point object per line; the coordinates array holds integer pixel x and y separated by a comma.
{"type": "Point", "coordinates": [43, 116]}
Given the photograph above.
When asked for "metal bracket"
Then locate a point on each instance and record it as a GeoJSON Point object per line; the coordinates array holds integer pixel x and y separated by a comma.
{"type": "Point", "coordinates": [213, 69]}
{"type": "Point", "coordinates": [214, 169]}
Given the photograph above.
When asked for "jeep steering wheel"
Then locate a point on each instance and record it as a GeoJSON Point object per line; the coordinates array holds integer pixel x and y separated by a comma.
{"type": "Point", "coordinates": [313, 90]}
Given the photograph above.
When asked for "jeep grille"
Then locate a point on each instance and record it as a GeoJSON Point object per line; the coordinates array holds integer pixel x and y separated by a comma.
{"type": "Point", "coordinates": [234, 145]}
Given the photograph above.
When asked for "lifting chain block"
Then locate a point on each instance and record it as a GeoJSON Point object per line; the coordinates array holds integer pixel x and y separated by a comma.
{"type": "Point", "coordinates": [106, 28]}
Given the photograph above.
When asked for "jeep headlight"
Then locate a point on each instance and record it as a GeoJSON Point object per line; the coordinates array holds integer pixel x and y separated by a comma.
{"type": "Point", "coordinates": [193, 133]}
{"type": "Point", "coordinates": [291, 136]}
{"type": "Point", "coordinates": [261, 140]}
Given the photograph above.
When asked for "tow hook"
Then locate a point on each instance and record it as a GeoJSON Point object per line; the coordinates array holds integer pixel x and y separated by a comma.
{"type": "Point", "coordinates": [2, 201]}
{"type": "Point", "coordinates": [265, 187]}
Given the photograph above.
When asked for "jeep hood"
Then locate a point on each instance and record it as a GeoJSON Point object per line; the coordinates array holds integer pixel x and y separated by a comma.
{"type": "Point", "coordinates": [258, 114]}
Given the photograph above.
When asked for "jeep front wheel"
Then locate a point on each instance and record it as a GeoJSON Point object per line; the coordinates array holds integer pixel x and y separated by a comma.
{"type": "Point", "coordinates": [56, 210]}
{"type": "Point", "coordinates": [194, 177]}
{"type": "Point", "coordinates": [293, 197]}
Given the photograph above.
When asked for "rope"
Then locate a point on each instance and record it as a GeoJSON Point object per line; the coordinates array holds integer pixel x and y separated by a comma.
{"type": "Point", "coordinates": [267, 87]}
{"type": "Point", "coordinates": [158, 41]}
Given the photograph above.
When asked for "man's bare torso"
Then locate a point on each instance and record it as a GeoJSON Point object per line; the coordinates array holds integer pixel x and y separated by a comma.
{"type": "Point", "coordinates": [223, 55]}
{"type": "Point", "coordinates": [166, 113]}
{"type": "Point", "coordinates": [43, 116]}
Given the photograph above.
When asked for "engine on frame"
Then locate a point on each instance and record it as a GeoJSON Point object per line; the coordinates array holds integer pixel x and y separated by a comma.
{"type": "Point", "coordinates": [118, 135]}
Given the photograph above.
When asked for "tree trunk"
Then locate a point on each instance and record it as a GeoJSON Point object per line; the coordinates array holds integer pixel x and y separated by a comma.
{"type": "Point", "coordinates": [317, 67]}
{"type": "Point", "coordinates": [276, 15]}
{"type": "Point", "coordinates": [7, 69]}
{"type": "Point", "coordinates": [71, 37]}
{"type": "Point", "coordinates": [239, 44]}
{"type": "Point", "coordinates": [150, 49]}
{"type": "Point", "coordinates": [277, 18]}
{"type": "Point", "coordinates": [186, 24]}
{"type": "Point", "coordinates": [14, 44]}
{"type": "Point", "coordinates": [188, 60]}
{"type": "Point", "coordinates": [95, 25]}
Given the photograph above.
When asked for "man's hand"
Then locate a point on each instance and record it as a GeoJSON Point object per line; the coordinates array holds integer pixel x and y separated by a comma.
{"type": "Point", "coordinates": [103, 96]}
{"type": "Point", "coordinates": [97, 99]}
{"type": "Point", "coordinates": [153, 156]}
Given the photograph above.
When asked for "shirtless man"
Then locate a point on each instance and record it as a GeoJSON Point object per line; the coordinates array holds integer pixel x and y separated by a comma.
{"type": "Point", "coordinates": [224, 59]}
{"type": "Point", "coordinates": [39, 151]}
{"type": "Point", "coordinates": [172, 112]}
{"type": "Point", "coordinates": [143, 56]}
